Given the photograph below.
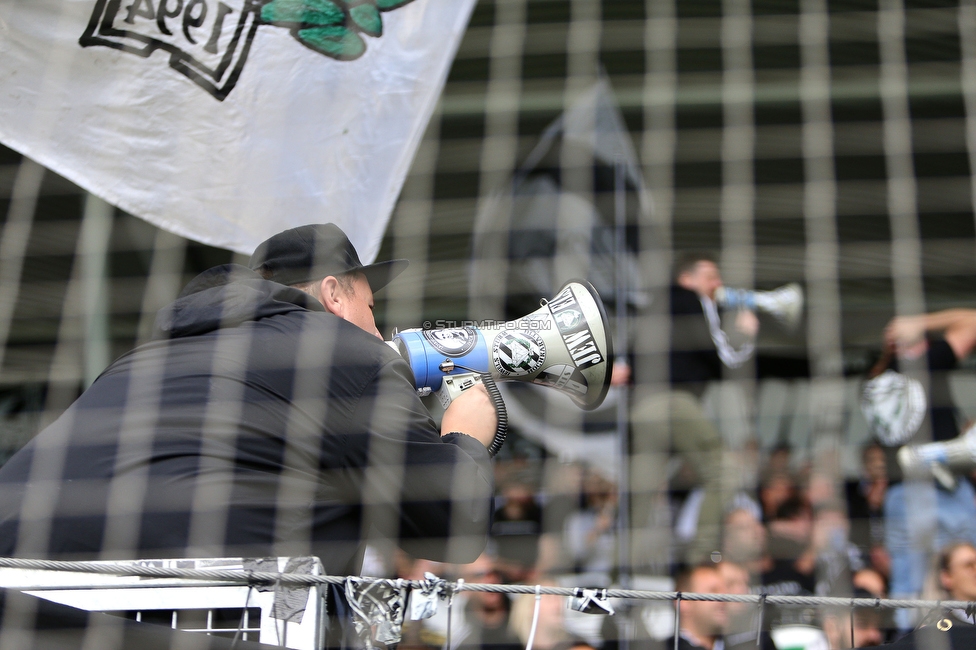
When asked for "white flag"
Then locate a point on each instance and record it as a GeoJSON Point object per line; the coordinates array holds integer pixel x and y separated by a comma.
{"type": "Point", "coordinates": [226, 121]}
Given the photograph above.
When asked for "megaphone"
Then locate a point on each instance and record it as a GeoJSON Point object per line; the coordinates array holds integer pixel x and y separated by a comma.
{"type": "Point", "coordinates": [940, 459]}
{"type": "Point", "coordinates": [564, 344]}
{"type": "Point", "coordinates": [785, 303]}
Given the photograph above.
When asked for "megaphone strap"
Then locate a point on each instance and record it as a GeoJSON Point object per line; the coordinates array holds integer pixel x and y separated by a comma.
{"type": "Point", "coordinates": [501, 414]}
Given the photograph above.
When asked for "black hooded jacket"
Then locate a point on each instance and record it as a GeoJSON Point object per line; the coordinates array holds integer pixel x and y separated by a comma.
{"type": "Point", "coordinates": [694, 361]}
{"type": "Point", "coordinates": [254, 424]}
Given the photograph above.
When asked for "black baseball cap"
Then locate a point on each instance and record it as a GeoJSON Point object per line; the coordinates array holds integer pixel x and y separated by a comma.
{"type": "Point", "coordinates": [315, 251]}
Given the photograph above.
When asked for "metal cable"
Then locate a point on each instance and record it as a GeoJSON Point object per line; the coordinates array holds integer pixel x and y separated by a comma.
{"type": "Point", "coordinates": [297, 579]}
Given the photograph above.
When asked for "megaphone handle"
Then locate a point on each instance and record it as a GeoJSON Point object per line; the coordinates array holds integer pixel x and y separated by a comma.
{"type": "Point", "coordinates": [501, 414]}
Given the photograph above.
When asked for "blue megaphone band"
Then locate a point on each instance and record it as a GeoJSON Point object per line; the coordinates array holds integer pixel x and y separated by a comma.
{"type": "Point", "coordinates": [739, 299]}
{"type": "Point", "coordinates": [425, 350]}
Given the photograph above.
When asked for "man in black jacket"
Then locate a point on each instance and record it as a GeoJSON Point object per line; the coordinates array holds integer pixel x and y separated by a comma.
{"type": "Point", "coordinates": [262, 420]}
{"type": "Point", "coordinates": [700, 352]}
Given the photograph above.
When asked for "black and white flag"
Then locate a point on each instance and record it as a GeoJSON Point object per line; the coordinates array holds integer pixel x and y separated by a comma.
{"type": "Point", "coordinates": [229, 120]}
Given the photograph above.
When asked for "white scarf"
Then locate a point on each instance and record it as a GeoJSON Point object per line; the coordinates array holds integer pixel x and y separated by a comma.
{"type": "Point", "coordinates": [731, 357]}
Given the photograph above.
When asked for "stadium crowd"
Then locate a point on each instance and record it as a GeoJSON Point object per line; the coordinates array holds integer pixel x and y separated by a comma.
{"type": "Point", "coordinates": [785, 537]}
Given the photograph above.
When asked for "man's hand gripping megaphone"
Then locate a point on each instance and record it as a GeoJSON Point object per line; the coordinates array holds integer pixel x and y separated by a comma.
{"type": "Point", "coordinates": [565, 344]}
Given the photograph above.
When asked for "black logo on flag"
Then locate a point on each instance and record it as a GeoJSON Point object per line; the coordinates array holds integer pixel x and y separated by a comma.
{"type": "Point", "coordinates": [208, 40]}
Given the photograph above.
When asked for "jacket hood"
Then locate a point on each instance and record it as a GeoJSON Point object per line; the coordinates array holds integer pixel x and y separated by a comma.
{"type": "Point", "coordinates": [227, 296]}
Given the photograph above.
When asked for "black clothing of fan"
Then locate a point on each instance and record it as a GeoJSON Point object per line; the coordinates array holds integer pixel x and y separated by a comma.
{"type": "Point", "coordinates": [867, 521]}
{"type": "Point", "coordinates": [941, 413]}
{"type": "Point", "coordinates": [958, 636]}
{"type": "Point", "coordinates": [254, 424]}
{"type": "Point", "coordinates": [940, 360]}
{"type": "Point", "coordinates": [694, 361]}
{"type": "Point", "coordinates": [684, 643]}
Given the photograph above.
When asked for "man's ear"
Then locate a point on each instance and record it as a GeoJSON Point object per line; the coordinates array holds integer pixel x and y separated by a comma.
{"type": "Point", "coordinates": [332, 296]}
{"type": "Point", "coordinates": [945, 580]}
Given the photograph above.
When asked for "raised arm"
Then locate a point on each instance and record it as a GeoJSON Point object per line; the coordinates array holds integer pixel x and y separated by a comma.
{"type": "Point", "coordinates": [958, 327]}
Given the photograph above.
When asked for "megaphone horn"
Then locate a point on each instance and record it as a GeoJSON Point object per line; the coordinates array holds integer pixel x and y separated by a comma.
{"type": "Point", "coordinates": [564, 344]}
{"type": "Point", "coordinates": [785, 303]}
{"type": "Point", "coordinates": [940, 458]}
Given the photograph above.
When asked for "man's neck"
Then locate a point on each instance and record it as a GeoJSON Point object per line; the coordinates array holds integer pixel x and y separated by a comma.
{"type": "Point", "coordinates": [702, 641]}
{"type": "Point", "coordinates": [492, 616]}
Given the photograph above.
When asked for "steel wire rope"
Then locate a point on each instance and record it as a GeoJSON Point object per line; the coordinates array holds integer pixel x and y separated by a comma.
{"type": "Point", "coordinates": [224, 577]}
